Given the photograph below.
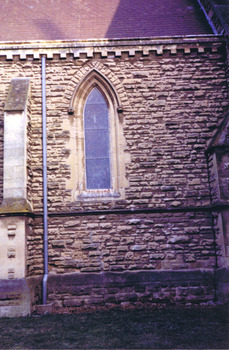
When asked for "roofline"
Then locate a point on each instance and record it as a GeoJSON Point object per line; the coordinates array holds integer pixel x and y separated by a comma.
{"type": "Point", "coordinates": [105, 47]}
{"type": "Point", "coordinates": [184, 39]}
{"type": "Point", "coordinates": [210, 22]}
{"type": "Point", "coordinates": [213, 16]}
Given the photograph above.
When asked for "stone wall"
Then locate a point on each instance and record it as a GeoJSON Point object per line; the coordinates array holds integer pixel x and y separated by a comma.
{"type": "Point", "coordinates": [172, 102]}
{"type": "Point", "coordinates": [123, 289]}
{"type": "Point", "coordinates": [95, 243]}
{"type": "Point", "coordinates": [173, 105]}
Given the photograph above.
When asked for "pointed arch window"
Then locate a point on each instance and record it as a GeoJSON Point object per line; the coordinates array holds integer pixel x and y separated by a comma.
{"type": "Point", "coordinates": [99, 171]}
{"type": "Point", "coordinates": [97, 142]}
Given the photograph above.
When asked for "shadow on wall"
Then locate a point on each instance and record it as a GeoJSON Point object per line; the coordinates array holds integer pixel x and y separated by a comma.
{"type": "Point", "coordinates": [49, 29]}
{"type": "Point", "coordinates": [147, 18]}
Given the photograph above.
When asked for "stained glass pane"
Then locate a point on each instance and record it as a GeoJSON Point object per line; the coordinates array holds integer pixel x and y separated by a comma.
{"type": "Point", "coordinates": [95, 97]}
{"type": "Point", "coordinates": [98, 173]}
{"type": "Point", "coordinates": [95, 116]}
{"type": "Point", "coordinates": [97, 144]}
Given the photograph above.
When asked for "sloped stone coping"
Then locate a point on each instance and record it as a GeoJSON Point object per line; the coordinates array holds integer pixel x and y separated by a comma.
{"type": "Point", "coordinates": [14, 205]}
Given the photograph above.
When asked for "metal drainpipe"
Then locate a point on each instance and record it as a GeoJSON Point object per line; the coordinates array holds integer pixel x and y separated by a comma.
{"type": "Point", "coordinates": [44, 145]}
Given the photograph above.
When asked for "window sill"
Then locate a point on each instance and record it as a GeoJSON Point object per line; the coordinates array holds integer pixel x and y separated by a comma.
{"type": "Point", "coordinates": [97, 194]}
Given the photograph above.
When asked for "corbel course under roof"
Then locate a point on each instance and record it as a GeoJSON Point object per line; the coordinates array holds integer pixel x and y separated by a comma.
{"type": "Point", "coordinates": [115, 48]}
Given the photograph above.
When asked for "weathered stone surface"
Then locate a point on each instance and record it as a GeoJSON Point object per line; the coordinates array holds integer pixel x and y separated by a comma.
{"type": "Point", "coordinates": [15, 298]}
{"type": "Point", "coordinates": [142, 286]}
{"type": "Point", "coordinates": [18, 94]}
{"type": "Point", "coordinates": [172, 105]}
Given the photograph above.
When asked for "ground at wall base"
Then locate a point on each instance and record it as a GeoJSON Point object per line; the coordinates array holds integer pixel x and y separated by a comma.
{"type": "Point", "coordinates": [145, 328]}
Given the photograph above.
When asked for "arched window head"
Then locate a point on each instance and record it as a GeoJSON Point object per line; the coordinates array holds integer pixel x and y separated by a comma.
{"type": "Point", "coordinates": [97, 142]}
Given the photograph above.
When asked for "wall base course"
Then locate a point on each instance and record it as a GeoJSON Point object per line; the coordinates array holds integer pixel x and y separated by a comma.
{"type": "Point", "coordinates": [155, 287]}
{"type": "Point", "coordinates": [128, 289]}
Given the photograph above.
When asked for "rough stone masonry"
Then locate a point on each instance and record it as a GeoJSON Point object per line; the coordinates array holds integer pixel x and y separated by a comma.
{"type": "Point", "coordinates": [159, 237]}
